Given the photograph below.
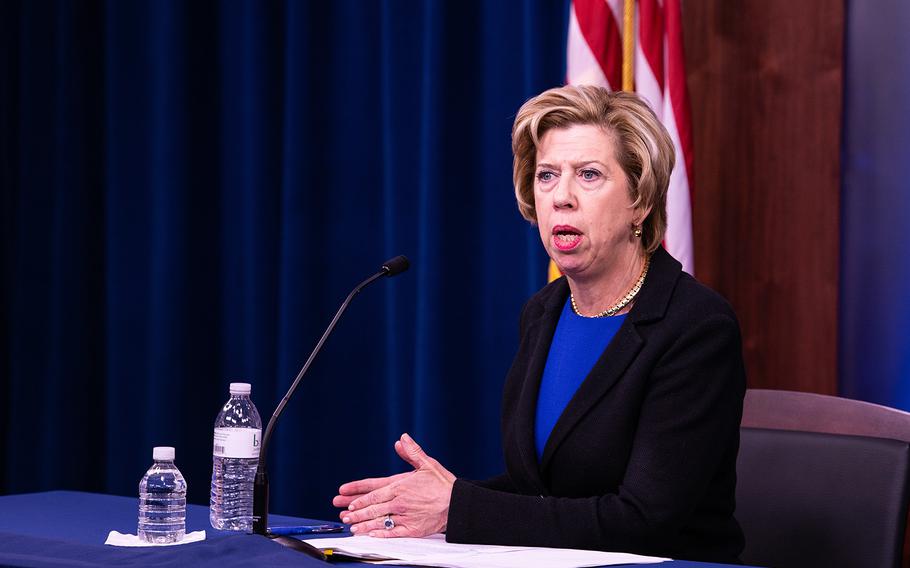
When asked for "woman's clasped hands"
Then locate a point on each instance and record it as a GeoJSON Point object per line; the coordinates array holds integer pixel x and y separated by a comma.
{"type": "Point", "coordinates": [414, 504]}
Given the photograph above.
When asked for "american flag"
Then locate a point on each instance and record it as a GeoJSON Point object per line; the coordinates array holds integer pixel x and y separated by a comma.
{"type": "Point", "coordinates": [651, 63]}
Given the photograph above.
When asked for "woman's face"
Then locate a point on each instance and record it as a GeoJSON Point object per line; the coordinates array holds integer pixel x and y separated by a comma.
{"type": "Point", "coordinates": [581, 197]}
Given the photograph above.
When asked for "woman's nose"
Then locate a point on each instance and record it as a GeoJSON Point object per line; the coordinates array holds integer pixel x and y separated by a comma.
{"type": "Point", "coordinates": [564, 194]}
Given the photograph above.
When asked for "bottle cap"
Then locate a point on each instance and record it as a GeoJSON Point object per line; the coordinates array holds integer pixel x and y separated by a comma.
{"type": "Point", "coordinates": [163, 453]}
{"type": "Point", "coordinates": [240, 388]}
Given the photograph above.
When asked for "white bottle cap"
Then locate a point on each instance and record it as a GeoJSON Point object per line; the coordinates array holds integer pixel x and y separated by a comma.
{"type": "Point", "coordinates": [240, 388]}
{"type": "Point", "coordinates": [163, 453]}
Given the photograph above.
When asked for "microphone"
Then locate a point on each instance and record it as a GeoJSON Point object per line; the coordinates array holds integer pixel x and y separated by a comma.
{"type": "Point", "coordinates": [395, 266]}
{"type": "Point", "coordinates": [391, 267]}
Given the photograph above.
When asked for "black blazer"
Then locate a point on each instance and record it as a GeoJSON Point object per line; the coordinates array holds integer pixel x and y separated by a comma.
{"type": "Point", "coordinates": [643, 458]}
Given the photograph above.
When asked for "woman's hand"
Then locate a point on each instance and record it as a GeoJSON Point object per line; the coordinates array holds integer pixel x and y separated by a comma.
{"type": "Point", "coordinates": [418, 501]}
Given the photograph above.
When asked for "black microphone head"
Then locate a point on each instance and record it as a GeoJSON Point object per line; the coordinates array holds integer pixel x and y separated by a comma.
{"type": "Point", "coordinates": [396, 265]}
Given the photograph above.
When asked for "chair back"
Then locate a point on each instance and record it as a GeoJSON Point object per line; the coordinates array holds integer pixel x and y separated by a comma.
{"type": "Point", "coordinates": [810, 412]}
{"type": "Point", "coordinates": [822, 481]}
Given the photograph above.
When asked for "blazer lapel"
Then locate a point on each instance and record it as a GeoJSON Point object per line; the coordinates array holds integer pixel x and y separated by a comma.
{"type": "Point", "coordinates": [609, 368]}
{"type": "Point", "coordinates": [541, 334]}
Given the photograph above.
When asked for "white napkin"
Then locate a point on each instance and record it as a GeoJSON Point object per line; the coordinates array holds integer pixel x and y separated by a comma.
{"type": "Point", "coordinates": [120, 539]}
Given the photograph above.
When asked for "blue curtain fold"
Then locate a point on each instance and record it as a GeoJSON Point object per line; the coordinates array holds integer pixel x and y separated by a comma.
{"type": "Point", "coordinates": [874, 331]}
{"type": "Point", "coordinates": [189, 190]}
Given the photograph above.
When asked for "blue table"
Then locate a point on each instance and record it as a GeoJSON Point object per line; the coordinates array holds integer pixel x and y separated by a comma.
{"type": "Point", "coordinates": [67, 528]}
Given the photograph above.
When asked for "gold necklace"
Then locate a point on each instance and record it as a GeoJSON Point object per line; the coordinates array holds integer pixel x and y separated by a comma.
{"type": "Point", "coordinates": [630, 295]}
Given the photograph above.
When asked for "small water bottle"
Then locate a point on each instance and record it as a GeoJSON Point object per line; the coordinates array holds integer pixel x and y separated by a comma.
{"type": "Point", "coordinates": [235, 455]}
{"type": "Point", "coordinates": [162, 500]}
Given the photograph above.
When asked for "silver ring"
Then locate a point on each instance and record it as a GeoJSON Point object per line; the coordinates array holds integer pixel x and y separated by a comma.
{"type": "Point", "coordinates": [388, 523]}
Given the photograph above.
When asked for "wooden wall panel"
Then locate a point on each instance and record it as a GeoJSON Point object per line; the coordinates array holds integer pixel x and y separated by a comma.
{"type": "Point", "coordinates": [765, 82]}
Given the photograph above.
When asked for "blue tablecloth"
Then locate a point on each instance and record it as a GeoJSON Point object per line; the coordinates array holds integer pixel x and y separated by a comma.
{"type": "Point", "coordinates": [67, 528]}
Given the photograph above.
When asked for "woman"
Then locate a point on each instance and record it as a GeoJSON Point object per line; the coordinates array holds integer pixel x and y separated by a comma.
{"type": "Point", "coordinates": [621, 410]}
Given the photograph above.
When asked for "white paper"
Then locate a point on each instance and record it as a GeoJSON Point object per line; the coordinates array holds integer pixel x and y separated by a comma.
{"type": "Point", "coordinates": [120, 539]}
{"type": "Point", "coordinates": [435, 551]}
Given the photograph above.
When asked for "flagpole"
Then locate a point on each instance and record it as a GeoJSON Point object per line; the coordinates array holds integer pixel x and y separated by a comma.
{"type": "Point", "coordinates": [628, 45]}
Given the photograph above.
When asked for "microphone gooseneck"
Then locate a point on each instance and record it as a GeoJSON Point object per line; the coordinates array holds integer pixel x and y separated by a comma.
{"type": "Point", "coordinates": [391, 267]}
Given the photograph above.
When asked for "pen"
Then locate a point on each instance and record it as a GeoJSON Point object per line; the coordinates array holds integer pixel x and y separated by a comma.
{"type": "Point", "coordinates": [306, 529]}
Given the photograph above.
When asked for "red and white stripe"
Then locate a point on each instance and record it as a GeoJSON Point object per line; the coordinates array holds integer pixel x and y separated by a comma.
{"type": "Point", "coordinates": [594, 57]}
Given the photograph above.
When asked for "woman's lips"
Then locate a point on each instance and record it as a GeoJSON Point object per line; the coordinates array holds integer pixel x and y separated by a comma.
{"type": "Point", "coordinates": [566, 237]}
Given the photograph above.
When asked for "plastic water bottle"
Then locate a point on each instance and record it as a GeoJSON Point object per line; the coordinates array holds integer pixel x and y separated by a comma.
{"type": "Point", "coordinates": [162, 500]}
{"type": "Point", "coordinates": [238, 436]}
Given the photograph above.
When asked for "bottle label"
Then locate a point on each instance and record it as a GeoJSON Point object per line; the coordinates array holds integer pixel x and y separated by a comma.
{"type": "Point", "coordinates": [237, 442]}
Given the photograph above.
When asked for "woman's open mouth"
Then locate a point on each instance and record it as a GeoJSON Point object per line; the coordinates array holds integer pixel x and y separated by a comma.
{"type": "Point", "coordinates": [566, 237]}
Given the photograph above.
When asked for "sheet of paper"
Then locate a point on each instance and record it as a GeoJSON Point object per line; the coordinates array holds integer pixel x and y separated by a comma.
{"type": "Point", "coordinates": [435, 551]}
{"type": "Point", "coordinates": [115, 538]}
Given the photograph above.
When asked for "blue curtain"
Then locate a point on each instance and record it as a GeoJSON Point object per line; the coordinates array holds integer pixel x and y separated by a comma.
{"type": "Point", "coordinates": [189, 190]}
{"type": "Point", "coordinates": [875, 205]}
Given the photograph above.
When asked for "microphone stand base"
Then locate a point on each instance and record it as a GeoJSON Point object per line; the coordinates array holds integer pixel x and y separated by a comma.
{"type": "Point", "coordinates": [261, 502]}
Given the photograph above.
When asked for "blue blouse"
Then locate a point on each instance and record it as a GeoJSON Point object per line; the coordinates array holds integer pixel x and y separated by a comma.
{"type": "Point", "coordinates": [577, 345]}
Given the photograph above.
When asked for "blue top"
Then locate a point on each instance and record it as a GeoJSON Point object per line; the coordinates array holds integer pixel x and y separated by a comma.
{"type": "Point", "coordinates": [577, 344]}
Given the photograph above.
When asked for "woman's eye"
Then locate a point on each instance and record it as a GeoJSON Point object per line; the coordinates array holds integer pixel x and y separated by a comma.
{"type": "Point", "coordinates": [589, 175]}
{"type": "Point", "coordinates": [545, 176]}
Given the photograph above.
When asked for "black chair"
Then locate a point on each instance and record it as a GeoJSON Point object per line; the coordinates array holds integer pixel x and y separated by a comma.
{"type": "Point", "coordinates": [810, 492]}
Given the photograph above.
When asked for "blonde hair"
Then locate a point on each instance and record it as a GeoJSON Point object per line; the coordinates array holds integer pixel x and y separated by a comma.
{"type": "Point", "coordinates": [643, 146]}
